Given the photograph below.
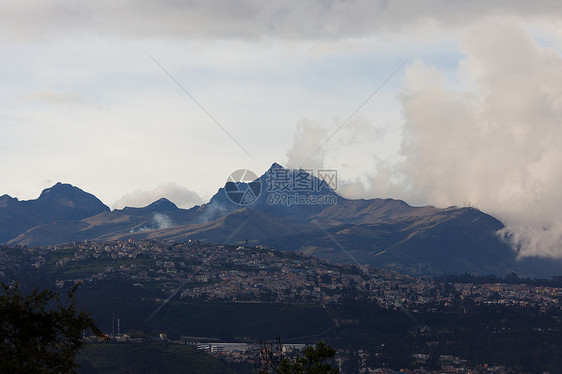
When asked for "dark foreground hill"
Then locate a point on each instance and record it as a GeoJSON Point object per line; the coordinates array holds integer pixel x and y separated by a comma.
{"type": "Point", "coordinates": [147, 358]}
{"type": "Point", "coordinates": [381, 232]}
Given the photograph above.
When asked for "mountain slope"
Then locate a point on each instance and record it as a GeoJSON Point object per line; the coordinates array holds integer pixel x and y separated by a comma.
{"type": "Point", "coordinates": [66, 202]}
{"type": "Point", "coordinates": [119, 224]}
{"type": "Point", "coordinates": [160, 214]}
{"type": "Point", "coordinates": [381, 232]}
{"type": "Point", "coordinates": [237, 227]}
{"type": "Point", "coordinates": [60, 202]}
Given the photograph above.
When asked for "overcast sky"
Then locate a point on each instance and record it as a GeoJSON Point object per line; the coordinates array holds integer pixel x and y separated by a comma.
{"type": "Point", "coordinates": [471, 111]}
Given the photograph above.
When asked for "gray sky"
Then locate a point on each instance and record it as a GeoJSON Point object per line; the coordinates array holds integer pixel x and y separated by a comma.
{"type": "Point", "coordinates": [474, 116]}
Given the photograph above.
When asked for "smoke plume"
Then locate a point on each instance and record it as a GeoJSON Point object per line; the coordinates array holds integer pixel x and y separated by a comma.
{"type": "Point", "coordinates": [162, 221]}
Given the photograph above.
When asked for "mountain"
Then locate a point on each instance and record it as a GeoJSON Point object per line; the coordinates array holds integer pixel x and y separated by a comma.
{"type": "Point", "coordinates": [423, 241]}
{"type": "Point", "coordinates": [216, 221]}
{"type": "Point", "coordinates": [161, 205]}
{"type": "Point", "coordinates": [108, 224]}
{"type": "Point", "coordinates": [235, 227]}
{"type": "Point", "coordinates": [60, 202]}
{"type": "Point", "coordinates": [287, 209]}
{"type": "Point", "coordinates": [275, 184]}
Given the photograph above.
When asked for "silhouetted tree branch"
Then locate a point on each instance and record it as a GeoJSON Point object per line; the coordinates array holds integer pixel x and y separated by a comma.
{"type": "Point", "coordinates": [272, 359]}
{"type": "Point", "coordinates": [39, 333]}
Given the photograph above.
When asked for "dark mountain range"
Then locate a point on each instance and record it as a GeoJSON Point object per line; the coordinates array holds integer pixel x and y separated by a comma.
{"type": "Point", "coordinates": [272, 186]}
{"type": "Point", "coordinates": [60, 202]}
{"type": "Point", "coordinates": [381, 232]}
{"type": "Point", "coordinates": [117, 223]}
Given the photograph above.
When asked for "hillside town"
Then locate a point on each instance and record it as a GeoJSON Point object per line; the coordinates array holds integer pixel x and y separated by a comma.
{"type": "Point", "coordinates": [209, 272]}
{"type": "Point", "coordinates": [238, 273]}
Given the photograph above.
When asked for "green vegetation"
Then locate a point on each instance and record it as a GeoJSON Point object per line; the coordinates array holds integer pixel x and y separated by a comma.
{"type": "Point", "coordinates": [40, 333]}
{"type": "Point", "coordinates": [314, 360]}
{"type": "Point", "coordinates": [11, 251]}
{"type": "Point", "coordinates": [93, 266]}
{"type": "Point", "coordinates": [59, 254]}
{"type": "Point", "coordinates": [147, 358]}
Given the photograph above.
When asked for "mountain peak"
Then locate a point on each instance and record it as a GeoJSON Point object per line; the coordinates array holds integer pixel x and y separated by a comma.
{"type": "Point", "coordinates": [65, 201]}
{"type": "Point", "coordinates": [7, 199]}
{"type": "Point", "coordinates": [58, 189]}
{"type": "Point", "coordinates": [162, 205]}
{"type": "Point", "coordinates": [274, 166]}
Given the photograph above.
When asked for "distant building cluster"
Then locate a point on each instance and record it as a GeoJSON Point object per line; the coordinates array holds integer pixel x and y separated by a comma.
{"type": "Point", "coordinates": [257, 274]}
{"type": "Point", "coordinates": [248, 274]}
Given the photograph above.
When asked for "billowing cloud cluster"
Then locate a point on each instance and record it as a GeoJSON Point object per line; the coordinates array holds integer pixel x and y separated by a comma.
{"type": "Point", "coordinates": [307, 150]}
{"type": "Point", "coordinates": [363, 153]}
{"type": "Point", "coordinates": [497, 145]}
{"type": "Point", "coordinates": [181, 196]}
{"type": "Point", "coordinates": [491, 137]}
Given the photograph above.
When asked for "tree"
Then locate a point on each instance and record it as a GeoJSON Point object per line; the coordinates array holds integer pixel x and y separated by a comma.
{"type": "Point", "coordinates": [351, 364]}
{"type": "Point", "coordinates": [39, 333]}
{"type": "Point", "coordinates": [313, 361]}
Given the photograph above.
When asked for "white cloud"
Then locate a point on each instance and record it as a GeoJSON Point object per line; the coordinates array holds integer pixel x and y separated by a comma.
{"type": "Point", "coordinates": [491, 138]}
{"type": "Point", "coordinates": [498, 145]}
{"type": "Point", "coordinates": [61, 98]}
{"type": "Point", "coordinates": [362, 153]}
{"type": "Point", "coordinates": [307, 151]}
{"type": "Point", "coordinates": [104, 117]}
